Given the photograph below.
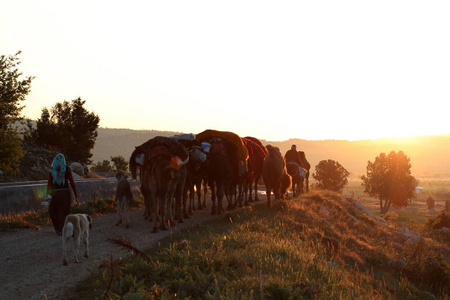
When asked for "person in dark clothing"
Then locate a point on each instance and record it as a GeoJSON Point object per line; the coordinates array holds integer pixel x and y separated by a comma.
{"type": "Point", "coordinates": [58, 192]}
{"type": "Point", "coordinates": [123, 197]}
{"type": "Point", "coordinates": [292, 155]}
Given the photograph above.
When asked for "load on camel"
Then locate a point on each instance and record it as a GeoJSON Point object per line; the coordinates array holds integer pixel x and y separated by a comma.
{"type": "Point", "coordinates": [227, 161]}
{"type": "Point", "coordinates": [162, 162]}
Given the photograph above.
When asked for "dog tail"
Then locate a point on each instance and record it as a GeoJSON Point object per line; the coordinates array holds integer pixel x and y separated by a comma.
{"type": "Point", "coordinates": [68, 230]}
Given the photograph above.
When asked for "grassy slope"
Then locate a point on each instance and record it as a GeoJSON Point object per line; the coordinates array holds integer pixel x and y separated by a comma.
{"type": "Point", "coordinates": [320, 246]}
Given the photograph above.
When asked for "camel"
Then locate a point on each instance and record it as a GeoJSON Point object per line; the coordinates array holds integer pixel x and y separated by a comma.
{"type": "Point", "coordinates": [307, 167]}
{"type": "Point", "coordinates": [226, 162]}
{"type": "Point", "coordinates": [162, 171]}
{"type": "Point", "coordinates": [221, 174]}
{"type": "Point", "coordinates": [259, 154]}
{"type": "Point", "coordinates": [275, 175]}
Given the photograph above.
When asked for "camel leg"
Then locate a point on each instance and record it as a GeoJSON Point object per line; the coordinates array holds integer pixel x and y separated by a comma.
{"type": "Point", "coordinates": [256, 188]}
{"type": "Point", "coordinates": [212, 185]}
{"type": "Point", "coordinates": [205, 189]}
{"type": "Point", "coordinates": [220, 193]}
{"type": "Point", "coordinates": [268, 192]}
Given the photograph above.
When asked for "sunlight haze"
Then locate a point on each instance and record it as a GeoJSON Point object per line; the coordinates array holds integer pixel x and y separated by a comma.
{"type": "Point", "coordinates": [270, 69]}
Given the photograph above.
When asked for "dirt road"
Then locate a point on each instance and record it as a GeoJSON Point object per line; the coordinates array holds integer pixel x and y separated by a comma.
{"type": "Point", "coordinates": [31, 260]}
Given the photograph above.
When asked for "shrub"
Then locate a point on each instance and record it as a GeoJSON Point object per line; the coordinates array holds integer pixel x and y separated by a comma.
{"type": "Point", "coordinates": [331, 175]}
{"type": "Point", "coordinates": [441, 220]}
{"type": "Point", "coordinates": [430, 202]}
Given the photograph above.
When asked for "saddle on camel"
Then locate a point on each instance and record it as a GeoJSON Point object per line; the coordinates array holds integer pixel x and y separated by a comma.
{"type": "Point", "coordinates": [233, 138]}
{"type": "Point", "coordinates": [216, 137]}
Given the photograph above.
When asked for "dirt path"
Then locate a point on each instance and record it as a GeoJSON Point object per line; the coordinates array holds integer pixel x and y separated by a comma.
{"type": "Point", "coordinates": [31, 260]}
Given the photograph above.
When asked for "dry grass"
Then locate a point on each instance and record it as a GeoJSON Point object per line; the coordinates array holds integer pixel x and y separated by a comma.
{"type": "Point", "coordinates": [319, 246]}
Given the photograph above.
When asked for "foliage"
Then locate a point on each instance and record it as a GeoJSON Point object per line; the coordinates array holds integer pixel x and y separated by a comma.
{"type": "Point", "coordinates": [28, 219]}
{"type": "Point", "coordinates": [430, 202]}
{"type": "Point", "coordinates": [12, 91]}
{"type": "Point", "coordinates": [439, 221]}
{"type": "Point", "coordinates": [389, 179]}
{"type": "Point", "coordinates": [104, 166]}
{"type": "Point", "coordinates": [330, 175]}
{"type": "Point", "coordinates": [119, 164]}
{"type": "Point", "coordinates": [67, 128]}
{"type": "Point", "coordinates": [426, 267]}
{"type": "Point", "coordinates": [34, 219]}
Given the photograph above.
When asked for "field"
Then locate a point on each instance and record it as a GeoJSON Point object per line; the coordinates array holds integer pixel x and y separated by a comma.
{"type": "Point", "coordinates": [437, 187]}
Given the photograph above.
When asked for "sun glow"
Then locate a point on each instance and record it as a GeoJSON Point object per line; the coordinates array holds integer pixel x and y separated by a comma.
{"type": "Point", "coordinates": [329, 70]}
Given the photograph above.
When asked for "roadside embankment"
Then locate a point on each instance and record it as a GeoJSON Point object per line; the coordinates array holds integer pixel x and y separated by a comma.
{"type": "Point", "coordinates": [24, 196]}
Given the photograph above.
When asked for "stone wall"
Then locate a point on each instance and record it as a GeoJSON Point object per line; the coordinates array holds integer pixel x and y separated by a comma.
{"type": "Point", "coordinates": [29, 195]}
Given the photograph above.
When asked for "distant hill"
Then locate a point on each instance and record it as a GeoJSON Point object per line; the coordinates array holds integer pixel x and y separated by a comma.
{"type": "Point", "coordinates": [429, 154]}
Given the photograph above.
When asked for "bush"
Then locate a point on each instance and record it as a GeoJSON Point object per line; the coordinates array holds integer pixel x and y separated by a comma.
{"type": "Point", "coordinates": [331, 175]}
{"type": "Point", "coordinates": [441, 220]}
{"type": "Point", "coordinates": [430, 202]}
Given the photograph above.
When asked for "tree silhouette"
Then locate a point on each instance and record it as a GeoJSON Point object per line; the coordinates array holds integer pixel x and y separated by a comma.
{"type": "Point", "coordinates": [119, 164]}
{"type": "Point", "coordinates": [67, 128]}
{"type": "Point", "coordinates": [389, 179]}
{"type": "Point", "coordinates": [104, 166]}
{"type": "Point", "coordinates": [330, 175]}
{"type": "Point", "coordinates": [12, 91]}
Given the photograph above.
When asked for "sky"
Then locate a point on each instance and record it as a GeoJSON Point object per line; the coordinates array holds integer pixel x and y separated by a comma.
{"type": "Point", "coordinates": [275, 70]}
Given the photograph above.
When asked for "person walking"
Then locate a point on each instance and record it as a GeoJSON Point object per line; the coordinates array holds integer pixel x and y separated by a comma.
{"type": "Point", "coordinates": [58, 192]}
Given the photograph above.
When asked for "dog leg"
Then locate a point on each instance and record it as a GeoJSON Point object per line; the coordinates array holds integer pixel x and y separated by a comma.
{"type": "Point", "coordinates": [77, 242]}
{"type": "Point", "coordinates": [64, 242]}
{"type": "Point", "coordinates": [86, 244]}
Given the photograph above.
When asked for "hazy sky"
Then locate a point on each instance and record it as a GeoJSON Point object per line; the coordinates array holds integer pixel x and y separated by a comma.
{"type": "Point", "coordinates": [270, 69]}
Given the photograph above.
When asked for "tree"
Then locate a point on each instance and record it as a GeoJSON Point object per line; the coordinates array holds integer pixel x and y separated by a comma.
{"type": "Point", "coordinates": [68, 128]}
{"type": "Point", "coordinates": [119, 164]}
{"type": "Point", "coordinates": [430, 202]}
{"type": "Point", "coordinates": [12, 91]}
{"type": "Point", "coordinates": [389, 179]}
{"type": "Point", "coordinates": [104, 166]}
{"type": "Point", "coordinates": [330, 175]}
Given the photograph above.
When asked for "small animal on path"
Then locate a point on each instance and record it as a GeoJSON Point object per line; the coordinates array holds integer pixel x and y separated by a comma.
{"type": "Point", "coordinates": [123, 198]}
{"type": "Point", "coordinates": [76, 226]}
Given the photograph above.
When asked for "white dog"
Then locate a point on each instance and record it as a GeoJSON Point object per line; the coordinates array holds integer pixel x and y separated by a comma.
{"type": "Point", "coordinates": [76, 226]}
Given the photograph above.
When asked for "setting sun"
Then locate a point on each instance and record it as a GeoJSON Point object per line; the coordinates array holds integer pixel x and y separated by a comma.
{"type": "Point", "coordinates": [330, 70]}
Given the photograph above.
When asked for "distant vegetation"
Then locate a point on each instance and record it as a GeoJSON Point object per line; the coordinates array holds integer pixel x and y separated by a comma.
{"type": "Point", "coordinates": [428, 154]}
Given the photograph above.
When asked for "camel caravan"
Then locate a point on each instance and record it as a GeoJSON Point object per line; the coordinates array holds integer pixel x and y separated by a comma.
{"type": "Point", "coordinates": [174, 170]}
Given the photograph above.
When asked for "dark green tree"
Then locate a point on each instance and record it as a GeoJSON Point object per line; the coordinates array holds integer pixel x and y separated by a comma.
{"type": "Point", "coordinates": [430, 202]}
{"type": "Point", "coordinates": [389, 179]}
{"type": "Point", "coordinates": [67, 128]}
{"type": "Point", "coordinates": [13, 90]}
{"type": "Point", "coordinates": [330, 175]}
{"type": "Point", "coordinates": [104, 166]}
{"type": "Point", "coordinates": [119, 164]}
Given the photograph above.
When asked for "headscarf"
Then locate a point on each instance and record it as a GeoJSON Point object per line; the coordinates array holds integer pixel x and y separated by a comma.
{"type": "Point", "coordinates": [58, 169]}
